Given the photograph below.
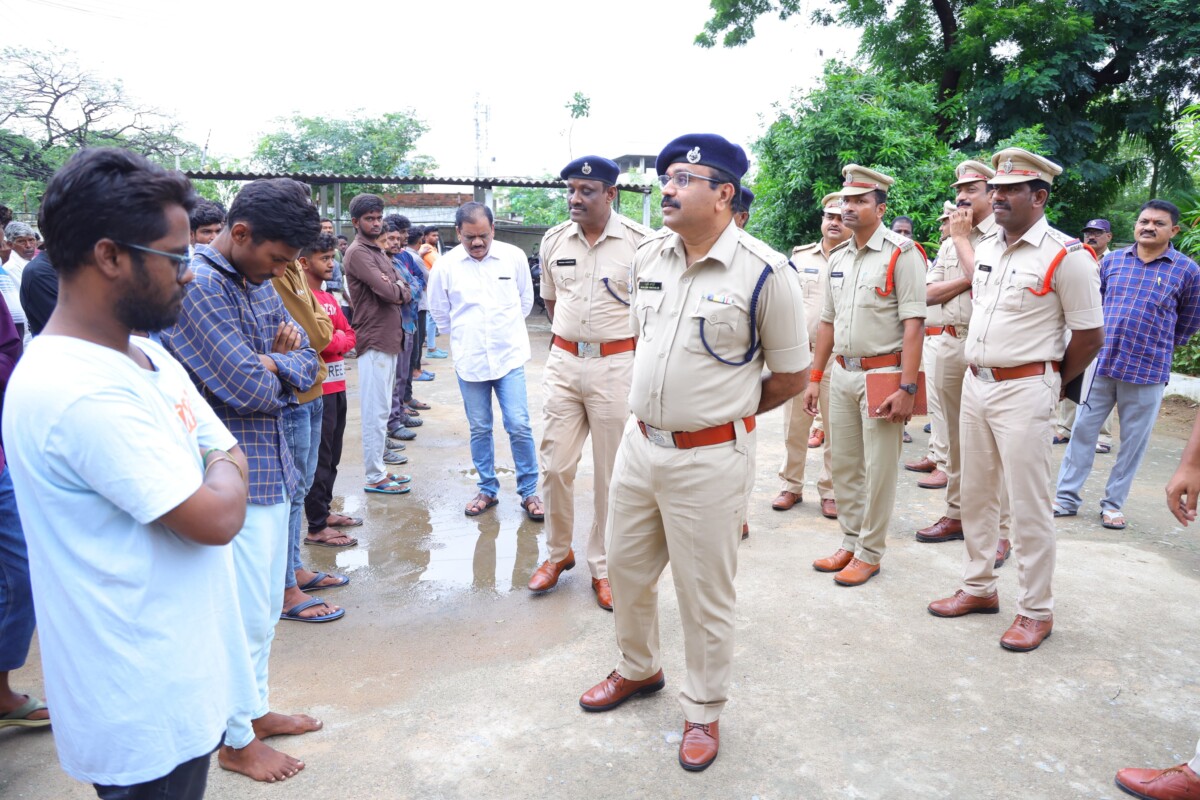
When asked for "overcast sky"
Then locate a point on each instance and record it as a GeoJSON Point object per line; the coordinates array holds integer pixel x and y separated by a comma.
{"type": "Point", "coordinates": [227, 70]}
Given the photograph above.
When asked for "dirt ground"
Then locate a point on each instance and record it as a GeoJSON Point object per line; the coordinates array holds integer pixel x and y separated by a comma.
{"type": "Point", "coordinates": [446, 679]}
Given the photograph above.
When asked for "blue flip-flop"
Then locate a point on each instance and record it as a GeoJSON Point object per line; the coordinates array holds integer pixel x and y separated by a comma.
{"type": "Point", "coordinates": [293, 613]}
{"type": "Point", "coordinates": [315, 582]}
{"type": "Point", "coordinates": [391, 487]}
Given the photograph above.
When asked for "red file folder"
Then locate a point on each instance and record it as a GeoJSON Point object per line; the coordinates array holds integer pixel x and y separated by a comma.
{"type": "Point", "coordinates": [882, 384]}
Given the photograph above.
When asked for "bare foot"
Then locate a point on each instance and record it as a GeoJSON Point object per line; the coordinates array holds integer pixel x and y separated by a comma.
{"type": "Point", "coordinates": [259, 762]}
{"type": "Point", "coordinates": [274, 724]}
{"type": "Point", "coordinates": [331, 537]}
{"type": "Point", "coordinates": [293, 597]}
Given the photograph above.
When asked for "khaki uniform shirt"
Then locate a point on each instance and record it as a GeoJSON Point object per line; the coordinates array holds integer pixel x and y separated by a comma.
{"type": "Point", "coordinates": [590, 283]}
{"type": "Point", "coordinates": [1013, 326]}
{"type": "Point", "coordinates": [865, 324]}
{"type": "Point", "coordinates": [677, 385]}
{"type": "Point", "coordinates": [812, 265]}
{"type": "Point", "coordinates": [957, 310]}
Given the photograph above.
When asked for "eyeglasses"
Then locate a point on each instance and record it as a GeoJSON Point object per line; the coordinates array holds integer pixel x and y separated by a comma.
{"type": "Point", "coordinates": [181, 261]}
{"type": "Point", "coordinates": [680, 179]}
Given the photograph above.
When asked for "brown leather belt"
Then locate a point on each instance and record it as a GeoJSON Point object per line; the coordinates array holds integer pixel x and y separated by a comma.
{"type": "Point", "coordinates": [686, 440]}
{"type": "Point", "coordinates": [949, 329]}
{"type": "Point", "coordinates": [995, 374]}
{"type": "Point", "coordinates": [593, 349]}
{"type": "Point", "coordinates": [857, 364]}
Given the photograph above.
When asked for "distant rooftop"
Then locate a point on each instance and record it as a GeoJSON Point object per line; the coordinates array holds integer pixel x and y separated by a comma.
{"type": "Point", "coordinates": [326, 178]}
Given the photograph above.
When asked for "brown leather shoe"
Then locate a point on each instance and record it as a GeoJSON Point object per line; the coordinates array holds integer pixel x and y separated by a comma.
{"type": "Point", "coordinates": [817, 439]}
{"type": "Point", "coordinates": [856, 573]}
{"type": "Point", "coordinates": [614, 690]}
{"type": "Point", "coordinates": [699, 746]}
{"type": "Point", "coordinates": [1026, 634]}
{"type": "Point", "coordinates": [1173, 783]}
{"type": "Point", "coordinates": [926, 464]}
{"type": "Point", "coordinates": [829, 508]}
{"type": "Point", "coordinates": [835, 563]}
{"type": "Point", "coordinates": [1003, 549]}
{"type": "Point", "coordinates": [603, 593]}
{"type": "Point", "coordinates": [936, 480]}
{"type": "Point", "coordinates": [944, 530]}
{"type": "Point", "coordinates": [545, 577]}
{"type": "Point", "coordinates": [962, 603]}
{"type": "Point", "coordinates": [786, 500]}
{"type": "Point", "coordinates": [745, 530]}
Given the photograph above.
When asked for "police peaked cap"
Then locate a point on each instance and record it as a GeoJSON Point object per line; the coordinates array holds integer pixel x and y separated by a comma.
{"type": "Point", "coordinates": [592, 168]}
{"type": "Point", "coordinates": [705, 149]}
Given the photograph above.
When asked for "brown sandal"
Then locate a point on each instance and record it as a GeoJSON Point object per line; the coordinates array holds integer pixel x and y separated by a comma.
{"type": "Point", "coordinates": [474, 509]}
{"type": "Point", "coordinates": [527, 504]}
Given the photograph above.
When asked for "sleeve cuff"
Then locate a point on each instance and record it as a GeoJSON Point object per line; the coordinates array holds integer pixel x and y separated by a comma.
{"type": "Point", "coordinates": [793, 359]}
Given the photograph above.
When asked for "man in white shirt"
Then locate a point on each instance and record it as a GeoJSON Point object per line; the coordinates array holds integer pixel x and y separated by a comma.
{"type": "Point", "coordinates": [130, 490]}
{"type": "Point", "coordinates": [481, 293]}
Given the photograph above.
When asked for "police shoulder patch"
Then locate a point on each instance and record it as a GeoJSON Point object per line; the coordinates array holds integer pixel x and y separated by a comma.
{"type": "Point", "coordinates": [903, 243]}
{"type": "Point", "coordinates": [762, 250]}
{"type": "Point", "coordinates": [1069, 243]}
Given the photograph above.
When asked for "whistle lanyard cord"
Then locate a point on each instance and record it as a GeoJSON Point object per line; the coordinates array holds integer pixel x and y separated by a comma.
{"type": "Point", "coordinates": [754, 345]}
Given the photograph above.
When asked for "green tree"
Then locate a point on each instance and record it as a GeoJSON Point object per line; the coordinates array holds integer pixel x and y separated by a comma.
{"type": "Point", "coordinates": [533, 206]}
{"type": "Point", "coordinates": [1093, 73]}
{"type": "Point", "coordinates": [874, 120]}
{"type": "Point", "coordinates": [356, 146]}
{"type": "Point", "coordinates": [579, 107]}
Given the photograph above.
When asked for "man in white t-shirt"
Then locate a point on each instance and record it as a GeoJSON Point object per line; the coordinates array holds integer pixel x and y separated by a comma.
{"type": "Point", "coordinates": [130, 490]}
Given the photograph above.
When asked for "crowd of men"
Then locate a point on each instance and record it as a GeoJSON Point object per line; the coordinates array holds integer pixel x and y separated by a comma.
{"type": "Point", "coordinates": [184, 400]}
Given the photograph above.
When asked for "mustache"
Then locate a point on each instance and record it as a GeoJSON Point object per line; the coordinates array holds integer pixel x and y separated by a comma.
{"type": "Point", "coordinates": [668, 202]}
{"type": "Point", "coordinates": [964, 204]}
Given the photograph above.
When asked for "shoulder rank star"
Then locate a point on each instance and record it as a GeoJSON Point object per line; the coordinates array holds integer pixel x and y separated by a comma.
{"type": "Point", "coordinates": [586, 169]}
{"type": "Point", "coordinates": [693, 155]}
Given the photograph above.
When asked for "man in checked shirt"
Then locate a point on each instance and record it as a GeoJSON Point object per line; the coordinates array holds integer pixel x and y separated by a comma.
{"type": "Point", "coordinates": [1151, 297]}
{"type": "Point", "coordinates": [242, 350]}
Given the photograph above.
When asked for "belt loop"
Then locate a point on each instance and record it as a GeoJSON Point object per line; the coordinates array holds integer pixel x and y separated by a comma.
{"type": "Point", "coordinates": [742, 443]}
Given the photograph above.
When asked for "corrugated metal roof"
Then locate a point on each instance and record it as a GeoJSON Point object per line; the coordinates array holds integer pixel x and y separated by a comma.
{"type": "Point", "coordinates": [323, 178]}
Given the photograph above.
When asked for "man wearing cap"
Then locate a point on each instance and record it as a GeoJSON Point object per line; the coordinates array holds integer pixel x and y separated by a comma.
{"type": "Point", "coordinates": [585, 283]}
{"type": "Point", "coordinates": [948, 292]}
{"type": "Point", "coordinates": [711, 306]}
{"type": "Point", "coordinates": [1097, 233]}
{"type": "Point", "coordinates": [1151, 306]}
{"type": "Point", "coordinates": [873, 321]}
{"type": "Point", "coordinates": [1031, 285]}
{"type": "Point", "coordinates": [812, 264]}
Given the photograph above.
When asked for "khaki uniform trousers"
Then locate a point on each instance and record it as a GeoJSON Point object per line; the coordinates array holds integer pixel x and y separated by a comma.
{"type": "Point", "coordinates": [796, 427]}
{"type": "Point", "coordinates": [950, 369]}
{"type": "Point", "coordinates": [939, 437]}
{"type": "Point", "coordinates": [1006, 428]}
{"type": "Point", "coordinates": [866, 462]}
{"type": "Point", "coordinates": [685, 507]}
{"type": "Point", "coordinates": [1065, 422]}
{"type": "Point", "coordinates": [582, 396]}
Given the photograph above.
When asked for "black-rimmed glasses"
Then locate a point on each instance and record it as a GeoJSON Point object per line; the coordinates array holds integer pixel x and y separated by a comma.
{"type": "Point", "coordinates": [181, 261]}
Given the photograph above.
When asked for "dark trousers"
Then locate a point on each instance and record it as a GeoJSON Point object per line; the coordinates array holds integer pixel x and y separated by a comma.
{"type": "Point", "coordinates": [333, 426]}
{"type": "Point", "coordinates": [419, 346]}
{"type": "Point", "coordinates": [185, 782]}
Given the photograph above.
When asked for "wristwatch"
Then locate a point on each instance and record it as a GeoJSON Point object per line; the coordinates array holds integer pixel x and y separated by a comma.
{"type": "Point", "coordinates": [911, 388]}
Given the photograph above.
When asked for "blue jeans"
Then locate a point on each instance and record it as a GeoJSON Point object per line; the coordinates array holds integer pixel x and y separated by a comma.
{"type": "Point", "coordinates": [431, 331]}
{"type": "Point", "coordinates": [16, 596]}
{"type": "Point", "coordinates": [302, 429]}
{"type": "Point", "coordinates": [514, 409]}
{"type": "Point", "coordinates": [1139, 405]}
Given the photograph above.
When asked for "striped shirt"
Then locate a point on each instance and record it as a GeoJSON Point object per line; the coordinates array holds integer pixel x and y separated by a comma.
{"type": "Point", "coordinates": [1149, 310]}
{"type": "Point", "coordinates": [226, 322]}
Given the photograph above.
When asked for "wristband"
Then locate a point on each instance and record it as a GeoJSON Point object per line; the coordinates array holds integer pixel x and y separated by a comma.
{"type": "Point", "coordinates": [815, 376]}
{"type": "Point", "coordinates": [224, 457]}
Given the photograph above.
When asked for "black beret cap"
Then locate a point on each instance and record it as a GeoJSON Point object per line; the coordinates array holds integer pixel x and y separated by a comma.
{"type": "Point", "coordinates": [592, 168]}
{"type": "Point", "coordinates": [706, 149]}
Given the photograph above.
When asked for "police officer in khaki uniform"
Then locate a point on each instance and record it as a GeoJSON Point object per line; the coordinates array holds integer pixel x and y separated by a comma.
{"type": "Point", "coordinates": [1031, 285]}
{"type": "Point", "coordinates": [812, 264]}
{"type": "Point", "coordinates": [586, 265]}
{"type": "Point", "coordinates": [873, 321]}
{"type": "Point", "coordinates": [949, 293]}
{"type": "Point", "coordinates": [712, 306]}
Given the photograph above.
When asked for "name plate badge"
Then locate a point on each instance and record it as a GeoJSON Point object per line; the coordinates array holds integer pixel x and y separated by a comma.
{"type": "Point", "coordinates": [654, 286]}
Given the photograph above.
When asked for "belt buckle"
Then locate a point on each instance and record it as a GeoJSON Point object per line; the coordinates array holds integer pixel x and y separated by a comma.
{"type": "Point", "coordinates": [853, 363]}
{"type": "Point", "coordinates": [587, 349]}
{"type": "Point", "coordinates": [985, 374]}
{"type": "Point", "coordinates": [659, 437]}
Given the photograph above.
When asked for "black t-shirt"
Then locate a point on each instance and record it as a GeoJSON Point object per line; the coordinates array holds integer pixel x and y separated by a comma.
{"type": "Point", "coordinates": [39, 291]}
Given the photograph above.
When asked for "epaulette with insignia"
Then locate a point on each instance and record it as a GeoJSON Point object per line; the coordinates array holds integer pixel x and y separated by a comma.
{"type": "Point", "coordinates": [656, 236]}
{"type": "Point", "coordinates": [804, 248]}
{"type": "Point", "coordinates": [636, 227]}
{"type": "Point", "coordinates": [902, 242]}
{"type": "Point", "coordinates": [842, 246]}
{"type": "Point", "coordinates": [554, 232]}
{"type": "Point", "coordinates": [761, 249]}
{"type": "Point", "coordinates": [1069, 243]}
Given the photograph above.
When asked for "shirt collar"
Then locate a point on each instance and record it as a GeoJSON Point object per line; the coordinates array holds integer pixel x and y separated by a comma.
{"type": "Point", "coordinates": [874, 243]}
{"type": "Point", "coordinates": [1034, 236]}
{"type": "Point", "coordinates": [1170, 255]}
{"type": "Point", "coordinates": [986, 225]}
{"type": "Point", "coordinates": [722, 251]}
{"type": "Point", "coordinates": [214, 257]}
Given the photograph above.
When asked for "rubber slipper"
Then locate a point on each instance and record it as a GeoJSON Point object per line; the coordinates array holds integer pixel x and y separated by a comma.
{"type": "Point", "coordinates": [401, 479]}
{"type": "Point", "coordinates": [293, 613]}
{"type": "Point", "coordinates": [391, 487]}
{"type": "Point", "coordinates": [1113, 520]}
{"type": "Point", "coordinates": [490, 501]}
{"type": "Point", "coordinates": [1061, 439]}
{"type": "Point", "coordinates": [419, 406]}
{"type": "Point", "coordinates": [527, 502]}
{"type": "Point", "coordinates": [322, 543]}
{"type": "Point", "coordinates": [1059, 511]}
{"type": "Point", "coordinates": [17, 717]}
{"type": "Point", "coordinates": [315, 582]}
{"type": "Point", "coordinates": [1104, 449]}
{"type": "Point", "coordinates": [342, 521]}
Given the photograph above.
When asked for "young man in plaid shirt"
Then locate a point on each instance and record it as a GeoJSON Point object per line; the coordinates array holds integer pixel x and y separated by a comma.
{"type": "Point", "coordinates": [1151, 297]}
